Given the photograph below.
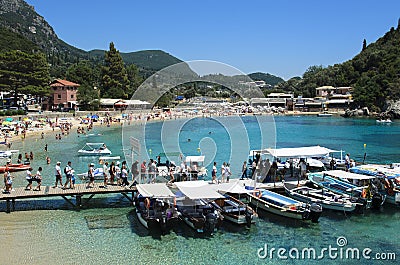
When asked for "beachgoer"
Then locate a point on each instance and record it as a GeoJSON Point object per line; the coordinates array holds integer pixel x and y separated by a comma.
{"type": "Point", "coordinates": [253, 169]}
{"type": "Point", "coordinates": [31, 155]}
{"type": "Point", "coordinates": [273, 170]}
{"type": "Point", "coordinates": [303, 168]}
{"type": "Point", "coordinates": [19, 161]}
{"type": "Point", "coordinates": [42, 135]}
{"type": "Point", "coordinates": [29, 179]}
{"type": "Point", "coordinates": [38, 178]}
{"type": "Point", "coordinates": [8, 181]}
{"type": "Point", "coordinates": [112, 173]}
{"type": "Point", "coordinates": [105, 174]}
{"type": "Point", "coordinates": [68, 175]}
{"type": "Point", "coordinates": [58, 175]}
{"type": "Point", "coordinates": [347, 161]}
{"type": "Point", "coordinates": [214, 173]}
{"type": "Point", "coordinates": [135, 170]}
{"type": "Point", "coordinates": [223, 172]}
{"type": "Point", "coordinates": [45, 148]}
{"type": "Point", "coordinates": [143, 171]}
{"type": "Point", "coordinates": [90, 176]}
{"type": "Point", "coordinates": [124, 176]}
{"type": "Point", "coordinates": [332, 163]}
{"type": "Point", "coordinates": [48, 160]}
{"type": "Point", "coordinates": [244, 170]}
{"type": "Point", "coordinates": [118, 173]}
{"type": "Point", "coordinates": [228, 172]}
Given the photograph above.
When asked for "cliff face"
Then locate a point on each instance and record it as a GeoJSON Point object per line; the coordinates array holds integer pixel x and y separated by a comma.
{"type": "Point", "coordinates": [21, 18]}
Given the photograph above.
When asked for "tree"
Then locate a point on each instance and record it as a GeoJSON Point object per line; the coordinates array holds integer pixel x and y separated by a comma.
{"type": "Point", "coordinates": [114, 79]}
{"type": "Point", "coordinates": [134, 77]}
{"type": "Point", "coordinates": [83, 74]}
{"type": "Point", "coordinates": [364, 44]}
{"type": "Point", "coordinates": [26, 73]}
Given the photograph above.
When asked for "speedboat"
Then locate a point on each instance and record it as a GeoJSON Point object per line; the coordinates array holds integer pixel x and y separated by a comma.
{"type": "Point", "coordinates": [327, 199]}
{"type": "Point", "coordinates": [154, 208]}
{"type": "Point", "coordinates": [235, 210]}
{"type": "Point", "coordinates": [284, 206]}
{"type": "Point", "coordinates": [384, 121]}
{"type": "Point", "coordinates": [195, 208]}
{"type": "Point", "coordinates": [232, 208]}
{"type": "Point", "coordinates": [94, 149]}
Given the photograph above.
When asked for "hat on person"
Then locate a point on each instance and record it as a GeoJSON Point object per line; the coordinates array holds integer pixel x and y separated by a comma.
{"type": "Point", "coordinates": [117, 163]}
{"type": "Point", "coordinates": [58, 162]}
{"type": "Point", "coordinates": [91, 164]}
{"type": "Point", "coordinates": [9, 160]}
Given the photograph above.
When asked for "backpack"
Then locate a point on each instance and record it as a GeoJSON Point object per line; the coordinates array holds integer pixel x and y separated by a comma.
{"type": "Point", "coordinates": [65, 170]}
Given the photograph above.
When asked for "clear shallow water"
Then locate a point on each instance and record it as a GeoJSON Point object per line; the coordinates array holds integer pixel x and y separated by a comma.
{"type": "Point", "coordinates": [108, 232]}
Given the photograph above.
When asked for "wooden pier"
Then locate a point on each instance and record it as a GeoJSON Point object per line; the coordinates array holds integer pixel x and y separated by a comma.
{"type": "Point", "coordinates": [77, 193]}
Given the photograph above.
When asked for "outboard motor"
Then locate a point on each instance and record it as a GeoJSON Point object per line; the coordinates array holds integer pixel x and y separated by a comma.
{"type": "Point", "coordinates": [315, 212]}
{"type": "Point", "coordinates": [377, 200]}
{"type": "Point", "coordinates": [211, 222]}
{"type": "Point", "coordinates": [249, 216]}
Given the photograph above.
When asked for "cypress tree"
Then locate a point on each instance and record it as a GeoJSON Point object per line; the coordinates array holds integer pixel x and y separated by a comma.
{"type": "Point", "coordinates": [114, 79]}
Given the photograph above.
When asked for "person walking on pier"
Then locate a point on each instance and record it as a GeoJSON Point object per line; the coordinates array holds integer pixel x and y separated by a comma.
{"type": "Point", "coordinates": [38, 178]}
{"type": "Point", "coordinates": [68, 175]}
{"type": "Point", "coordinates": [29, 179]}
{"type": "Point", "coordinates": [214, 173]}
{"type": "Point", "coordinates": [90, 176]}
{"type": "Point", "coordinates": [244, 170]}
{"type": "Point", "coordinates": [105, 174]}
{"type": "Point", "coordinates": [58, 175]}
{"type": "Point", "coordinates": [7, 181]}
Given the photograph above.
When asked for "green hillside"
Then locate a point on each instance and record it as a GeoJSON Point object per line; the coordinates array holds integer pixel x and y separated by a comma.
{"type": "Point", "coordinates": [267, 78]}
{"type": "Point", "coordinates": [12, 41]}
{"type": "Point", "coordinates": [374, 74]}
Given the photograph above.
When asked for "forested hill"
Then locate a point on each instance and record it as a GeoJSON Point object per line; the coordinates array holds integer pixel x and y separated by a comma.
{"type": "Point", "coordinates": [16, 16]}
{"type": "Point", "coordinates": [374, 73]}
{"type": "Point", "coordinates": [267, 78]}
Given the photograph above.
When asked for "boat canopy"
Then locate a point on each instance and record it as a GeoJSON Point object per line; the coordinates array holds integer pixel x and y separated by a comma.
{"type": "Point", "coordinates": [198, 190]}
{"type": "Point", "coordinates": [194, 159]}
{"type": "Point", "coordinates": [234, 186]}
{"type": "Point", "coordinates": [159, 190]}
{"type": "Point", "coordinates": [300, 152]}
{"type": "Point", "coordinates": [105, 158]}
{"type": "Point", "coordinates": [346, 175]}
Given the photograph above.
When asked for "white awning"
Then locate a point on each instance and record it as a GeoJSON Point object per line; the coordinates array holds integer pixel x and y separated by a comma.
{"type": "Point", "coordinates": [159, 190]}
{"type": "Point", "coordinates": [346, 175]}
{"type": "Point", "coordinates": [198, 190]}
{"type": "Point", "coordinates": [191, 159]}
{"type": "Point", "coordinates": [310, 151]}
{"type": "Point", "coordinates": [234, 186]}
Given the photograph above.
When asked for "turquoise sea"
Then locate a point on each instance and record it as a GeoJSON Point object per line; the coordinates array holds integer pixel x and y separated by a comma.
{"type": "Point", "coordinates": [49, 231]}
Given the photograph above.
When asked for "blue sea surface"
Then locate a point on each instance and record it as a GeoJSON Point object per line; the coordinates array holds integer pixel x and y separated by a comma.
{"type": "Point", "coordinates": [106, 231]}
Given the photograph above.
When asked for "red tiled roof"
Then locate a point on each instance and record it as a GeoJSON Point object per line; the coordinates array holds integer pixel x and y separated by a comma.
{"type": "Point", "coordinates": [60, 82]}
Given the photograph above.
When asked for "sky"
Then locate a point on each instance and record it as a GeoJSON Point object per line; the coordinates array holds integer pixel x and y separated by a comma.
{"type": "Point", "coordinates": [281, 37]}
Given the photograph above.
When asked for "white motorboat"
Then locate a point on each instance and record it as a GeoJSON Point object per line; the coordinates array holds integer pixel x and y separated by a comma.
{"type": "Point", "coordinates": [94, 149]}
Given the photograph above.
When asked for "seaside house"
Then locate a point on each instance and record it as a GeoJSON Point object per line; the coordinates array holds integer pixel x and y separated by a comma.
{"type": "Point", "coordinates": [274, 100]}
{"type": "Point", "coordinates": [63, 95]}
{"type": "Point", "coordinates": [122, 104]}
{"type": "Point", "coordinates": [334, 98]}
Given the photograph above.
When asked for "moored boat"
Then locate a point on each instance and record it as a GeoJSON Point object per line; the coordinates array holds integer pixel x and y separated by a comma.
{"type": "Point", "coordinates": [327, 199]}
{"type": "Point", "coordinates": [232, 208]}
{"type": "Point", "coordinates": [333, 181]}
{"type": "Point", "coordinates": [284, 206]}
{"type": "Point", "coordinates": [195, 208]}
{"type": "Point", "coordinates": [154, 208]}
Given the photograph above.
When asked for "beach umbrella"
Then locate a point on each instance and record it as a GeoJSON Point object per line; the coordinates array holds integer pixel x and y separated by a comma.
{"type": "Point", "coordinates": [6, 122]}
{"type": "Point", "coordinates": [9, 119]}
{"type": "Point", "coordinates": [27, 119]}
{"type": "Point", "coordinates": [95, 116]}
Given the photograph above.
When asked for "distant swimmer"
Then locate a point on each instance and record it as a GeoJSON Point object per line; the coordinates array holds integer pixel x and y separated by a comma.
{"type": "Point", "coordinates": [209, 132]}
{"type": "Point", "coordinates": [189, 139]}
